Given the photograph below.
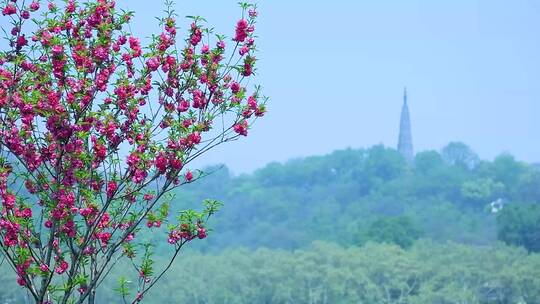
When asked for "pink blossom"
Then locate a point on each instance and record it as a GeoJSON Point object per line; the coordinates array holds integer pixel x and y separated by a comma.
{"type": "Point", "coordinates": [186, 123]}
{"type": "Point", "coordinates": [10, 239]}
{"type": "Point", "coordinates": [57, 50]}
{"type": "Point", "coordinates": [100, 152]}
{"type": "Point", "coordinates": [15, 30]}
{"type": "Point", "coordinates": [241, 30]}
{"type": "Point", "coordinates": [139, 176]}
{"type": "Point", "coordinates": [196, 34]}
{"type": "Point", "coordinates": [62, 267]}
{"type": "Point", "coordinates": [70, 8]}
{"type": "Point", "coordinates": [205, 49]}
{"type": "Point", "coordinates": [243, 50]}
{"type": "Point", "coordinates": [199, 99]}
{"type": "Point", "coordinates": [34, 6]}
{"type": "Point", "coordinates": [44, 268]}
{"type": "Point", "coordinates": [176, 164]}
{"type": "Point", "coordinates": [111, 188]}
{"type": "Point", "coordinates": [189, 176]}
{"type": "Point", "coordinates": [21, 281]}
{"type": "Point", "coordinates": [85, 211]}
{"type": "Point", "coordinates": [201, 233]}
{"type": "Point", "coordinates": [183, 106]}
{"type": "Point", "coordinates": [101, 53]}
{"type": "Point", "coordinates": [133, 160]}
{"type": "Point", "coordinates": [21, 41]}
{"type": "Point", "coordinates": [164, 42]}
{"type": "Point", "coordinates": [10, 9]}
{"type": "Point", "coordinates": [26, 213]}
{"type": "Point", "coordinates": [235, 87]}
{"type": "Point", "coordinates": [252, 102]}
{"type": "Point", "coordinates": [122, 40]}
{"type": "Point", "coordinates": [135, 46]}
{"type": "Point", "coordinates": [104, 237]}
{"type": "Point", "coordinates": [161, 163]}
{"type": "Point", "coordinates": [153, 63]}
{"type": "Point", "coordinates": [9, 200]}
{"type": "Point", "coordinates": [241, 128]}
{"type": "Point", "coordinates": [174, 237]}
{"type": "Point", "coordinates": [194, 138]}
{"type": "Point", "coordinates": [248, 70]}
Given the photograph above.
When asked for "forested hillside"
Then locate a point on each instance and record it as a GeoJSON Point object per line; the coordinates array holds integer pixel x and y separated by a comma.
{"type": "Point", "coordinates": [357, 226]}
{"type": "Point", "coordinates": [352, 196]}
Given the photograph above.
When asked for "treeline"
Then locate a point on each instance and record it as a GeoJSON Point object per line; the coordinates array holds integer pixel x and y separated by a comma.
{"type": "Point", "coordinates": [428, 272]}
{"type": "Point", "coordinates": [374, 273]}
{"type": "Point", "coordinates": [345, 196]}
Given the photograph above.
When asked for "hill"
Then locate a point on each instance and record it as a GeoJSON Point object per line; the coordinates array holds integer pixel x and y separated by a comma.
{"type": "Point", "coordinates": [342, 197]}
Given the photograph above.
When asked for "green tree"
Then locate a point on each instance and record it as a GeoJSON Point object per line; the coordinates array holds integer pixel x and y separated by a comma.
{"type": "Point", "coordinates": [529, 186]}
{"type": "Point", "coordinates": [519, 225]}
{"type": "Point", "coordinates": [399, 230]}
{"type": "Point", "coordinates": [482, 191]}
{"type": "Point", "coordinates": [461, 155]}
{"type": "Point", "coordinates": [384, 163]}
{"type": "Point", "coordinates": [428, 161]}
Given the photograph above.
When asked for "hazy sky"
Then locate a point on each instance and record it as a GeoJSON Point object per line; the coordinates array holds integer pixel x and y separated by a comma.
{"type": "Point", "coordinates": [335, 72]}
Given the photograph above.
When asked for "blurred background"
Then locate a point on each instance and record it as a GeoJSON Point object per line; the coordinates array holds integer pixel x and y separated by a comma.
{"type": "Point", "coordinates": [350, 191]}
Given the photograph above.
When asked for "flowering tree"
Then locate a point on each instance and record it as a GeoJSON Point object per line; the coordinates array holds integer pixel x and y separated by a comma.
{"type": "Point", "coordinates": [99, 130]}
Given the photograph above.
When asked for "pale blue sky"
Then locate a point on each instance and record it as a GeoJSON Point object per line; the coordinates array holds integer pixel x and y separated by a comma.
{"type": "Point", "coordinates": [335, 72]}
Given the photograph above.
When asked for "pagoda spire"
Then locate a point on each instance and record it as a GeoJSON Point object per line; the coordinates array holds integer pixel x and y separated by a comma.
{"type": "Point", "coordinates": [405, 144]}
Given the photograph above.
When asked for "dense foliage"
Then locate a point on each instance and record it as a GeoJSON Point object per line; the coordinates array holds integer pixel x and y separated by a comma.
{"type": "Point", "coordinates": [328, 273]}
{"type": "Point", "coordinates": [520, 225]}
{"type": "Point", "coordinates": [399, 230]}
{"type": "Point", "coordinates": [343, 196]}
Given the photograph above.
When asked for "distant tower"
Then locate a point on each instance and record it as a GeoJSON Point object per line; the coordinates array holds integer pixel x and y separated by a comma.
{"type": "Point", "coordinates": [405, 144]}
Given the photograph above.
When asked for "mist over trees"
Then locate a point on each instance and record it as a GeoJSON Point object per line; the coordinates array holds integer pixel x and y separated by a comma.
{"type": "Point", "coordinates": [348, 195]}
{"type": "Point", "coordinates": [361, 225]}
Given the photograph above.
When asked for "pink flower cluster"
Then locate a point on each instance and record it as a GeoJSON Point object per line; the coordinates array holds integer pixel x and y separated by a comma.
{"type": "Point", "coordinates": [187, 233]}
{"type": "Point", "coordinates": [10, 9]}
{"type": "Point", "coordinates": [241, 30]}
